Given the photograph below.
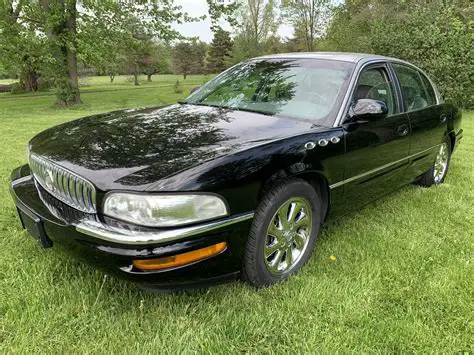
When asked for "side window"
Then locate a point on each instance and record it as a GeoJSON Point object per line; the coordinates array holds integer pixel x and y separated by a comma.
{"type": "Point", "coordinates": [429, 90]}
{"type": "Point", "coordinates": [415, 96]}
{"type": "Point", "coordinates": [374, 84]}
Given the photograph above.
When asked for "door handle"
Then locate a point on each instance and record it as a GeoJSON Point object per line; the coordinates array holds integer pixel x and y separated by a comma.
{"type": "Point", "coordinates": [402, 130]}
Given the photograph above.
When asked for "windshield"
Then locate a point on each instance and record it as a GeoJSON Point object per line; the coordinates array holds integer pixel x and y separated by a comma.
{"type": "Point", "coordinates": [308, 89]}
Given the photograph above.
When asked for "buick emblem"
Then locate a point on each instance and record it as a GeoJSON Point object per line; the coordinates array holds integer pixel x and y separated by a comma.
{"type": "Point", "coordinates": [48, 180]}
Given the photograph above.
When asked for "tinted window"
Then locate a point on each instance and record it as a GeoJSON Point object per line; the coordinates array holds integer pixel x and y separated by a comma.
{"type": "Point", "coordinates": [430, 93]}
{"type": "Point", "coordinates": [415, 96]}
{"type": "Point", "coordinates": [309, 89]}
{"type": "Point", "coordinates": [374, 84]}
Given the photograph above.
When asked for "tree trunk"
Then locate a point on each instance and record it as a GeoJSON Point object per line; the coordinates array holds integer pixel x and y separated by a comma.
{"type": "Point", "coordinates": [136, 72]}
{"type": "Point", "coordinates": [149, 77]}
{"type": "Point", "coordinates": [29, 79]}
{"type": "Point", "coordinates": [71, 28]}
{"type": "Point", "coordinates": [185, 75]}
{"type": "Point", "coordinates": [63, 35]}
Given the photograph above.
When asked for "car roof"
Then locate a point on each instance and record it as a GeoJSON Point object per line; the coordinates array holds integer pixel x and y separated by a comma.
{"type": "Point", "coordinates": [340, 56]}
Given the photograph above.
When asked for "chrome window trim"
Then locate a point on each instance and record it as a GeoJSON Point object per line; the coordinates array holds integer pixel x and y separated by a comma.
{"type": "Point", "coordinates": [360, 66]}
{"type": "Point", "coordinates": [372, 171]}
{"type": "Point", "coordinates": [439, 99]}
{"type": "Point", "coordinates": [125, 236]}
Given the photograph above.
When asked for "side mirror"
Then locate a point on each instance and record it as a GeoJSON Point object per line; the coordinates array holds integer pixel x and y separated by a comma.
{"type": "Point", "coordinates": [194, 89]}
{"type": "Point", "coordinates": [368, 109]}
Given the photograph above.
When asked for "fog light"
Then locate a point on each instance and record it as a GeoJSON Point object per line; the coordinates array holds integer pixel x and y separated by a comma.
{"type": "Point", "coordinates": [180, 259]}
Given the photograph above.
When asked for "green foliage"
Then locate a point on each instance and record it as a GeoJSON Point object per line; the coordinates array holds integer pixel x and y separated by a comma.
{"type": "Point", "coordinates": [50, 37]}
{"type": "Point", "coordinates": [309, 18]}
{"type": "Point", "coordinates": [188, 57]}
{"type": "Point", "coordinates": [220, 51]}
{"type": "Point", "coordinates": [178, 88]}
{"type": "Point", "coordinates": [258, 21]}
{"type": "Point", "coordinates": [17, 88]}
{"type": "Point", "coordinates": [156, 61]}
{"type": "Point", "coordinates": [437, 36]}
{"type": "Point", "coordinates": [218, 9]}
{"type": "Point", "coordinates": [66, 93]}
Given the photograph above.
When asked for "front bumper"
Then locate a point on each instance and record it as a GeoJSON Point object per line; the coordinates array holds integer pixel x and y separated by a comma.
{"type": "Point", "coordinates": [112, 245]}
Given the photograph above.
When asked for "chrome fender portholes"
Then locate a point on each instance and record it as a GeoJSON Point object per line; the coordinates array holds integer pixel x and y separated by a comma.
{"type": "Point", "coordinates": [322, 143]}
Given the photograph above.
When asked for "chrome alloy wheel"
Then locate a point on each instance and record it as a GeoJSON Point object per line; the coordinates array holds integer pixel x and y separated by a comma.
{"type": "Point", "coordinates": [441, 163]}
{"type": "Point", "coordinates": [288, 235]}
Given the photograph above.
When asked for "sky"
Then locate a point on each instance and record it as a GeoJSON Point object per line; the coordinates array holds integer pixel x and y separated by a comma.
{"type": "Point", "coordinates": [202, 29]}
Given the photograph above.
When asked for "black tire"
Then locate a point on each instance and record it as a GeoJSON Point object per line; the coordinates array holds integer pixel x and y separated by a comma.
{"type": "Point", "coordinates": [428, 179]}
{"type": "Point", "coordinates": [255, 269]}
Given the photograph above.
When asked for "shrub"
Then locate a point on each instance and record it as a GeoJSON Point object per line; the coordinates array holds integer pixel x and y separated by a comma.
{"type": "Point", "coordinates": [17, 88]}
{"type": "Point", "coordinates": [178, 88]}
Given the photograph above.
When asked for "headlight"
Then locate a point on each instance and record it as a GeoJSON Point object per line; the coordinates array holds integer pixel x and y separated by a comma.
{"type": "Point", "coordinates": [163, 210]}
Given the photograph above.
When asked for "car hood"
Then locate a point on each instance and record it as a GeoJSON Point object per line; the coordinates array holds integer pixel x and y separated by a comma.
{"type": "Point", "coordinates": [134, 148]}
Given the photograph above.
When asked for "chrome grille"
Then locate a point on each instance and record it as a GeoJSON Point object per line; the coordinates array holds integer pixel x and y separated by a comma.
{"type": "Point", "coordinates": [63, 184]}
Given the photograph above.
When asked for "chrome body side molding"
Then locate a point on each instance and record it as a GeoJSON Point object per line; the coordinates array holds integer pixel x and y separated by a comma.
{"type": "Point", "coordinates": [367, 173]}
{"type": "Point", "coordinates": [130, 237]}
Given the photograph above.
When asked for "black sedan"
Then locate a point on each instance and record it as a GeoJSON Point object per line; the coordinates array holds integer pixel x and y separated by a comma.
{"type": "Point", "coordinates": [236, 180]}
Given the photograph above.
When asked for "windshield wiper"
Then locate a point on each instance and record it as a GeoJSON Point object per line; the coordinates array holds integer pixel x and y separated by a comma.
{"type": "Point", "coordinates": [227, 107]}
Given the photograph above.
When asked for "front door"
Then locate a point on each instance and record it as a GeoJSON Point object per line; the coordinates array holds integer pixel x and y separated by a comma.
{"type": "Point", "coordinates": [377, 150]}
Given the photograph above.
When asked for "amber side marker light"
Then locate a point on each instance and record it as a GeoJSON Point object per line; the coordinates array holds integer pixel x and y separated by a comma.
{"type": "Point", "coordinates": [180, 259]}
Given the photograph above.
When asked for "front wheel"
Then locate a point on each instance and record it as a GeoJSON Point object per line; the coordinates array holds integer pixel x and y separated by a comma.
{"type": "Point", "coordinates": [438, 171]}
{"type": "Point", "coordinates": [283, 233]}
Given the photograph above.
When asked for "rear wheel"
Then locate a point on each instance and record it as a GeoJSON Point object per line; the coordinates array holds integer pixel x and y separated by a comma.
{"type": "Point", "coordinates": [438, 171]}
{"type": "Point", "coordinates": [283, 233]}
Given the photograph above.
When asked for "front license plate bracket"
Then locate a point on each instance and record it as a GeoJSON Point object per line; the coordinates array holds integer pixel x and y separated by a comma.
{"type": "Point", "coordinates": [34, 226]}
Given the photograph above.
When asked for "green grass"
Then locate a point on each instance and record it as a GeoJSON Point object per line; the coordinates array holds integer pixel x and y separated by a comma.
{"type": "Point", "coordinates": [402, 280]}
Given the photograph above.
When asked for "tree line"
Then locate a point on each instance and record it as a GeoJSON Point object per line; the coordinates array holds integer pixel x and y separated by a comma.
{"type": "Point", "coordinates": [51, 42]}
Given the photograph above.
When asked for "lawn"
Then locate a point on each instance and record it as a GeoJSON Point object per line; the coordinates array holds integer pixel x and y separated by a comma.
{"type": "Point", "coordinates": [401, 281]}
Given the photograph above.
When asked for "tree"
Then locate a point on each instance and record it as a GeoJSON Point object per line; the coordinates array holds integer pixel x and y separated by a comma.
{"type": "Point", "coordinates": [60, 26]}
{"type": "Point", "coordinates": [188, 58]}
{"type": "Point", "coordinates": [257, 21]}
{"type": "Point", "coordinates": [296, 43]}
{"type": "Point", "coordinates": [435, 35]}
{"type": "Point", "coordinates": [221, 48]}
{"type": "Point", "coordinates": [74, 30]}
{"type": "Point", "coordinates": [21, 50]}
{"type": "Point", "coordinates": [156, 62]}
{"type": "Point", "coordinates": [309, 17]}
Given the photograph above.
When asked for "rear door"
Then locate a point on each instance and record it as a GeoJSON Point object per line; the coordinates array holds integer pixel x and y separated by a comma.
{"type": "Point", "coordinates": [428, 117]}
{"type": "Point", "coordinates": [376, 150]}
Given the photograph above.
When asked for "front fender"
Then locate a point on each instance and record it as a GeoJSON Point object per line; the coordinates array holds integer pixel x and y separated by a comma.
{"type": "Point", "coordinates": [241, 177]}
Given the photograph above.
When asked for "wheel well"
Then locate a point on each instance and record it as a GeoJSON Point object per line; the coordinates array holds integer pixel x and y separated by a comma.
{"type": "Point", "coordinates": [316, 180]}
{"type": "Point", "coordinates": [452, 138]}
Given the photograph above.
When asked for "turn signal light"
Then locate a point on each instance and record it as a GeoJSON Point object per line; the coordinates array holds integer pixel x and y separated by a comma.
{"type": "Point", "coordinates": [180, 259]}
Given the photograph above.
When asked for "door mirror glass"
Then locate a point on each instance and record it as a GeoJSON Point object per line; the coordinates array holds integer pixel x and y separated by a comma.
{"type": "Point", "coordinates": [368, 109]}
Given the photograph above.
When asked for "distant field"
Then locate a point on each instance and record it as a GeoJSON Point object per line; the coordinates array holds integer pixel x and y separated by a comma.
{"type": "Point", "coordinates": [401, 280]}
{"type": "Point", "coordinates": [6, 81]}
{"type": "Point", "coordinates": [124, 82]}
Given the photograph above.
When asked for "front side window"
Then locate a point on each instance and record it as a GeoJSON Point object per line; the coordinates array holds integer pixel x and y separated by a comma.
{"type": "Point", "coordinates": [374, 84]}
{"type": "Point", "coordinates": [416, 95]}
{"type": "Point", "coordinates": [307, 89]}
